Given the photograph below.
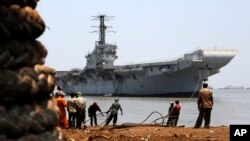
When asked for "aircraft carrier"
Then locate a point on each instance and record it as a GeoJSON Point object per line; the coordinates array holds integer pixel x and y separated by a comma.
{"type": "Point", "coordinates": [181, 77]}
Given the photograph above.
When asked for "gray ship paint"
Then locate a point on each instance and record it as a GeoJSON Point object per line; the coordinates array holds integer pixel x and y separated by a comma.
{"type": "Point", "coordinates": [181, 77]}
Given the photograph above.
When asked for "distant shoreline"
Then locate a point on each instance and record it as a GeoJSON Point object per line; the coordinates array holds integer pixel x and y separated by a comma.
{"type": "Point", "coordinates": [232, 89]}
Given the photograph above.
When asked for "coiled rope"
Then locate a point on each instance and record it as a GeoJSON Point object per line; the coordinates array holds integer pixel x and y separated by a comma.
{"type": "Point", "coordinates": [128, 124]}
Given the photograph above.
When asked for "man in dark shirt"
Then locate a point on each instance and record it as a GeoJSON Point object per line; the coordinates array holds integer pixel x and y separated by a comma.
{"type": "Point", "coordinates": [170, 109]}
{"type": "Point", "coordinates": [92, 113]}
{"type": "Point", "coordinates": [114, 112]}
{"type": "Point", "coordinates": [205, 105]}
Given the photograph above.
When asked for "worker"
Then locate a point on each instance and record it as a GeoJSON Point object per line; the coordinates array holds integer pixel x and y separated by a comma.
{"type": "Point", "coordinates": [71, 108]}
{"type": "Point", "coordinates": [205, 104]}
{"type": "Point", "coordinates": [61, 103]}
{"type": "Point", "coordinates": [80, 110]}
{"type": "Point", "coordinates": [114, 112]}
{"type": "Point", "coordinates": [174, 115]}
{"type": "Point", "coordinates": [170, 109]}
{"type": "Point", "coordinates": [92, 113]}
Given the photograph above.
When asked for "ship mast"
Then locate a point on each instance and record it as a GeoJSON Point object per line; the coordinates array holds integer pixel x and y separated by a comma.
{"type": "Point", "coordinates": [102, 27]}
{"type": "Point", "coordinates": [102, 30]}
{"type": "Point", "coordinates": [104, 54]}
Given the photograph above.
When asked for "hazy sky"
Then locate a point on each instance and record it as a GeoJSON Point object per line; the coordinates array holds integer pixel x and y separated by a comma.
{"type": "Point", "coordinates": [150, 30]}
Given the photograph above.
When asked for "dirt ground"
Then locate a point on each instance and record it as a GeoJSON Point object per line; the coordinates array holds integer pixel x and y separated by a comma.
{"type": "Point", "coordinates": [147, 133]}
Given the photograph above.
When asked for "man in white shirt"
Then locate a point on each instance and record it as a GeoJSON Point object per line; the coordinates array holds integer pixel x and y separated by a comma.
{"type": "Point", "coordinates": [80, 109]}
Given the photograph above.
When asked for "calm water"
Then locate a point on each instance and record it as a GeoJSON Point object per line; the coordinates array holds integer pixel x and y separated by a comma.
{"type": "Point", "coordinates": [230, 107]}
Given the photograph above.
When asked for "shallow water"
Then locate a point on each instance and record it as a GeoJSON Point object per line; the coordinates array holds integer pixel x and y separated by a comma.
{"type": "Point", "coordinates": [230, 107]}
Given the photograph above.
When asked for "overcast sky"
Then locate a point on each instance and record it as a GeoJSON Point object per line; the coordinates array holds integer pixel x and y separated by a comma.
{"type": "Point", "coordinates": [149, 30]}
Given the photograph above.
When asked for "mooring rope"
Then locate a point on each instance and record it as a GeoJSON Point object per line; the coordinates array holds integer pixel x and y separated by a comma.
{"type": "Point", "coordinates": [196, 85]}
{"type": "Point", "coordinates": [128, 124]}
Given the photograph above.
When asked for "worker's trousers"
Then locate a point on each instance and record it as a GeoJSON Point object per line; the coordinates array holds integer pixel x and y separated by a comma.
{"type": "Point", "coordinates": [205, 113]}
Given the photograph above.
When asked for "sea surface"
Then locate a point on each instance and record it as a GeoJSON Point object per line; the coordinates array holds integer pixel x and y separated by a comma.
{"type": "Point", "coordinates": [231, 106]}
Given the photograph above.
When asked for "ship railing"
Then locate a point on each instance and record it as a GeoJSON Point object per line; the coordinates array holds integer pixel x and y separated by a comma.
{"type": "Point", "coordinates": [146, 64]}
{"type": "Point", "coordinates": [128, 66]}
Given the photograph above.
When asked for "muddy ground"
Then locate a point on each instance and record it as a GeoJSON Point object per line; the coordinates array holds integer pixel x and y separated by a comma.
{"type": "Point", "coordinates": [147, 133]}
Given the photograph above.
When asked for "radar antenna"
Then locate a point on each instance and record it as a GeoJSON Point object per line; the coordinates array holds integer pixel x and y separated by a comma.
{"type": "Point", "coordinates": [102, 27]}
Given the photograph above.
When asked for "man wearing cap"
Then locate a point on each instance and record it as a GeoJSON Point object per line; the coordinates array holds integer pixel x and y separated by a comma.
{"type": "Point", "coordinates": [205, 105]}
{"type": "Point", "coordinates": [113, 112]}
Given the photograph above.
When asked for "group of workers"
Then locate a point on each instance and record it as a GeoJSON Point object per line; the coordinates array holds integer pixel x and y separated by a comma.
{"type": "Point", "coordinates": [76, 107]}
{"type": "Point", "coordinates": [205, 105]}
{"type": "Point", "coordinates": [173, 113]}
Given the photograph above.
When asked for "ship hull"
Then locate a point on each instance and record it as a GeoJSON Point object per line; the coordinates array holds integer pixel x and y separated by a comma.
{"type": "Point", "coordinates": [179, 84]}
{"type": "Point", "coordinates": [166, 95]}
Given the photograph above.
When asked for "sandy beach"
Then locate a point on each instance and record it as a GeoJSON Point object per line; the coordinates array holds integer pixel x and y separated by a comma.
{"type": "Point", "coordinates": [147, 133]}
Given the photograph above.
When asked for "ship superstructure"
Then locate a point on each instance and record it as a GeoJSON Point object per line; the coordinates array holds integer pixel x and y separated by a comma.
{"type": "Point", "coordinates": [104, 54]}
{"type": "Point", "coordinates": [181, 77]}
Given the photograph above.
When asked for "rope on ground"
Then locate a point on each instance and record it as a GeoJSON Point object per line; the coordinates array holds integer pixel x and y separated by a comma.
{"type": "Point", "coordinates": [124, 125]}
{"type": "Point", "coordinates": [101, 113]}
